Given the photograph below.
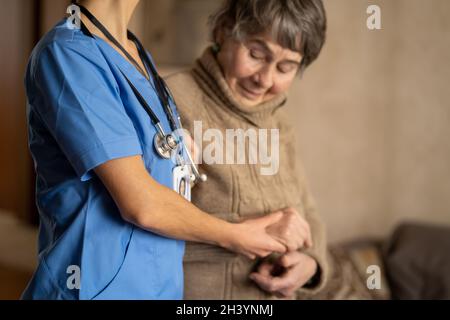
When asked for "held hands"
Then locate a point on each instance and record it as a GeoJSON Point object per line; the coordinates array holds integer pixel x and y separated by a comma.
{"type": "Point", "coordinates": [251, 239]}
{"type": "Point", "coordinates": [284, 276]}
{"type": "Point", "coordinates": [292, 230]}
{"type": "Point", "coordinates": [292, 270]}
{"type": "Point", "coordinates": [277, 232]}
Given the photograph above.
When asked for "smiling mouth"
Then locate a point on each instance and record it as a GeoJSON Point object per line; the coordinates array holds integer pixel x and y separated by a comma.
{"type": "Point", "coordinates": [250, 94]}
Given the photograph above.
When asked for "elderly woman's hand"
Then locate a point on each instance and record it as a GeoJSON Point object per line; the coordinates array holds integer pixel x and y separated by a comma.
{"type": "Point", "coordinates": [292, 230]}
{"type": "Point", "coordinates": [286, 275]}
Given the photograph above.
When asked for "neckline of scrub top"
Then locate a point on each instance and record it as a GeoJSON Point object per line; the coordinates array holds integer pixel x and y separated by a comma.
{"type": "Point", "coordinates": [125, 63]}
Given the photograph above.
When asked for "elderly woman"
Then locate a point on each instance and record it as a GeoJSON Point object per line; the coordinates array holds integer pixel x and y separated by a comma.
{"type": "Point", "coordinates": [260, 46]}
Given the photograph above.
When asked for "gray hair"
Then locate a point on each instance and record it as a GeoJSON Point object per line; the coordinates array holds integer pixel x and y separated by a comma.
{"type": "Point", "coordinates": [299, 25]}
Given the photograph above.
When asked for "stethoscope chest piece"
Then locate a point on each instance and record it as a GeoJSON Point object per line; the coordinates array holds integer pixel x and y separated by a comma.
{"type": "Point", "coordinates": [165, 145]}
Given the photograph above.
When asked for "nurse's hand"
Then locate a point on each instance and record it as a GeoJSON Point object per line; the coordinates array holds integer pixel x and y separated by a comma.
{"type": "Point", "coordinates": [251, 239]}
{"type": "Point", "coordinates": [292, 230]}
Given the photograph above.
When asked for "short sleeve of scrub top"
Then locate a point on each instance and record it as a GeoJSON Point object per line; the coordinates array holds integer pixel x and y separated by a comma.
{"type": "Point", "coordinates": [83, 109]}
{"type": "Point", "coordinates": [81, 114]}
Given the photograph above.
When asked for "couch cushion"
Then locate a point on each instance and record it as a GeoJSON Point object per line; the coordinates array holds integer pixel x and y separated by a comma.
{"type": "Point", "coordinates": [417, 259]}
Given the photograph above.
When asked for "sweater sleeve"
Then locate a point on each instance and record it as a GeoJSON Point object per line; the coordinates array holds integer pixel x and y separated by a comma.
{"type": "Point", "coordinates": [319, 249]}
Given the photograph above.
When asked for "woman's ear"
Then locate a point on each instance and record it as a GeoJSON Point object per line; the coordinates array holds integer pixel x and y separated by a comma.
{"type": "Point", "coordinates": [220, 37]}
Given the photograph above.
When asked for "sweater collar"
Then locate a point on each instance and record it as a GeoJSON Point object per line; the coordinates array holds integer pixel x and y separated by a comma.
{"type": "Point", "coordinates": [214, 83]}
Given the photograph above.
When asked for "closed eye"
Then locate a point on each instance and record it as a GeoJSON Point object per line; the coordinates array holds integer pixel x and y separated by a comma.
{"type": "Point", "coordinates": [257, 54]}
{"type": "Point", "coordinates": [287, 67]}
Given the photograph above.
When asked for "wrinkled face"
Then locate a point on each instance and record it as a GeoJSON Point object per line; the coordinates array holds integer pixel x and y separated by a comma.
{"type": "Point", "coordinates": [257, 69]}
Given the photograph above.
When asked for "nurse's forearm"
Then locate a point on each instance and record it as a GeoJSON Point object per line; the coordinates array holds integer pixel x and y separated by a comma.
{"type": "Point", "coordinates": [168, 214]}
{"type": "Point", "coordinates": [151, 206]}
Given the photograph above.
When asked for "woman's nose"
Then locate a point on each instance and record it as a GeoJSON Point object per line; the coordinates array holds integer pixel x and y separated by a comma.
{"type": "Point", "coordinates": [264, 77]}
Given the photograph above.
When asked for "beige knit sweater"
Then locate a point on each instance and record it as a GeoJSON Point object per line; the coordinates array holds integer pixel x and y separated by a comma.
{"type": "Point", "coordinates": [236, 192]}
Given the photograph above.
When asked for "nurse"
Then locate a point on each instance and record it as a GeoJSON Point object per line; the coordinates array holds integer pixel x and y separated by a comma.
{"type": "Point", "coordinates": [111, 225]}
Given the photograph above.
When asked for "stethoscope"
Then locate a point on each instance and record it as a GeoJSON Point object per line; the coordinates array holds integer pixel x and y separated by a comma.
{"type": "Point", "coordinates": [166, 144]}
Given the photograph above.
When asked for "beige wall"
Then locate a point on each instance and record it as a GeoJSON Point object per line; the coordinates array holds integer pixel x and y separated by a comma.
{"type": "Point", "coordinates": [175, 30]}
{"type": "Point", "coordinates": [374, 118]}
{"type": "Point", "coordinates": [420, 143]}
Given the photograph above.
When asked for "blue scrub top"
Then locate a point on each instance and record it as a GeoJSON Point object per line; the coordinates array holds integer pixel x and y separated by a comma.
{"type": "Point", "coordinates": [81, 114]}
